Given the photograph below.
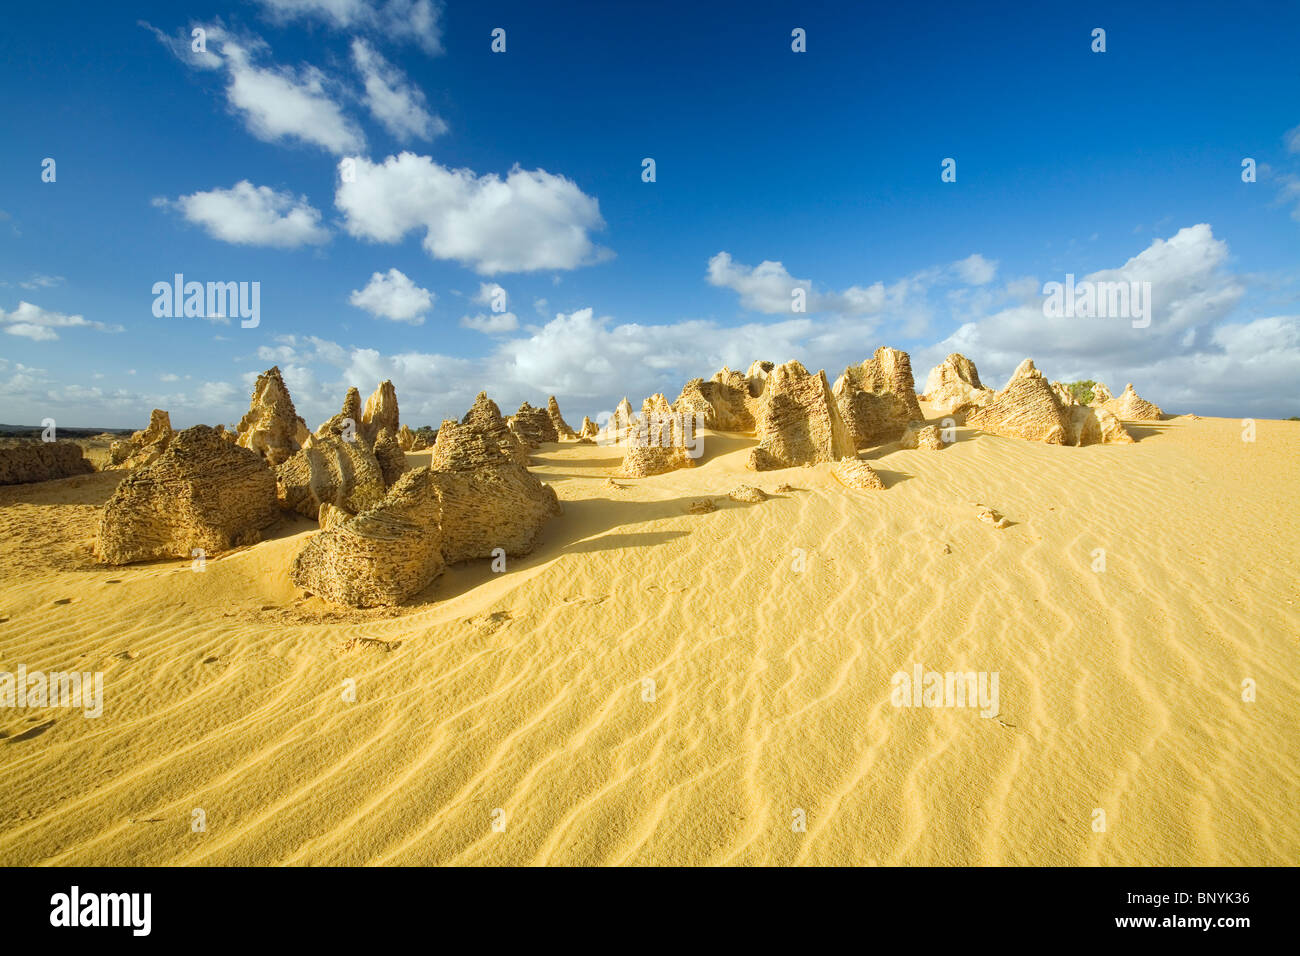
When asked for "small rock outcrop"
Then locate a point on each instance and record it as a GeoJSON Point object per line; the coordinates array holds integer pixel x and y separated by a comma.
{"type": "Point", "coordinates": [1100, 394]}
{"type": "Point", "coordinates": [406, 438]}
{"type": "Point", "coordinates": [877, 399]}
{"type": "Point", "coordinates": [29, 461]}
{"type": "Point", "coordinates": [922, 436]}
{"type": "Point", "coordinates": [655, 445]}
{"type": "Point", "coordinates": [145, 445]}
{"type": "Point", "coordinates": [856, 473]}
{"type": "Point", "coordinates": [533, 426]}
{"type": "Point", "coordinates": [954, 386]}
{"type": "Point", "coordinates": [562, 428]}
{"type": "Point", "coordinates": [1090, 425]}
{"type": "Point", "coordinates": [1132, 407]}
{"type": "Point", "coordinates": [201, 493]}
{"type": "Point", "coordinates": [330, 471]}
{"type": "Point", "coordinates": [427, 520]}
{"type": "Point", "coordinates": [589, 428]}
{"type": "Point", "coordinates": [747, 493]}
{"type": "Point", "coordinates": [271, 427]}
{"type": "Point", "coordinates": [694, 401]}
{"type": "Point", "coordinates": [798, 421]}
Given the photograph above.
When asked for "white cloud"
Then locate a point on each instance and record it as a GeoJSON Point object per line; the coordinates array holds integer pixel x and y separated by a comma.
{"type": "Point", "coordinates": [416, 21]}
{"type": "Point", "coordinates": [32, 322]}
{"type": "Point", "coordinates": [491, 323]}
{"type": "Point", "coordinates": [252, 215]}
{"type": "Point", "coordinates": [275, 102]}
{"type": "Point", "coordinates": [392, 295]}
{"type": "Point", "coordinates": [530, 220]}
{"type": "Point", "coordinates": [1292, 140]}
{"type": "Point", "coordinates": [39, 281]}
{"type": "Point", "coordinates": [398, 106]}
{"type": "Point", "coordinates": [490, 291]}
{"type": "Point", "coordinates": [976, 270]}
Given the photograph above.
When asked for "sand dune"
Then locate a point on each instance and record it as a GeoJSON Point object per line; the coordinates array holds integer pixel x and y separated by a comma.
{"type": "Point", "coordinates": [521, 697]}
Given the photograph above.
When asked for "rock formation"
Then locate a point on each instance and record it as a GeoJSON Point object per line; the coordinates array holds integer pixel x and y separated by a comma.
{"type": "Point", "coordinates": [428, 520]}
{"type": "Point", "coordinates": [919, 435]}
{"type": "Point", "coordinates": [798, 421]}
{"type": "Point", "coordinates": [1131, 407]}
{"type": "Point", "coordinates": [406, 438]}
{"type": "Point", "coordinates": [201, 493]}
{"type": "Point", "coordinates": [655, 445]}
{"type": "Point", "coordinates": [1031, 409]}
{"type": "Point", "coordinates": [694, 401]}
{"type": "Point", "coordinates": [954, 386]}
{"type": "Point", "coordinates": [533, 426]}
{"type": "Point", "coordinates": [735, 399]}
{"type": "Point", "coordinates": [877, 399]}
{"type": "Point", "coordinates": [332, 471]}
{"type": "Point", "coordinates": [379, 419]}
{"type": "Point", "coordinates": [391, 458]}
{"type": "Point", "coordinates": [346, 423]}
{"type": "Point", "coordinates": [562, 428]}
{"type": "Point", "coordinates": [855, 473]}
{"type": "Point", "coordinates": [1100, 394]}
{"type": "Point", "coordinates": [145, 445]}
{"type": "Point", "coordinates": [1027, 408]}
{"type": "Point", "coordinates": [481, 437]}
{"type": "Point", "coordinates": [589, 428]}
{"type": "Point", "coordinates": [271, 426]}
{"type": "Point", "coordinates": [747, 493]}
{"type": "Point", "coordinates": [28, 461]}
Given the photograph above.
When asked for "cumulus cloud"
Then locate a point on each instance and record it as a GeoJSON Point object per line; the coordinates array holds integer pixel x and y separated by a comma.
{"type": "Point", "coordinates": [530, 220]}
{"type": "Point", "coordinates": [252, 215]}
{"type": "Point", "coordinates": [976, 270]}
{"type": "Point", "coordinates": [275, 102]}
{"type": "Point", "coordinates": [392, 295]}
{"type": "Point", "coordinates": [32, 322]}
{"type": "Point", "coordinates": [491, 323]}
{"type": "Point", "coordinates": [415, 21]}
{"type": "Point", "coordinates": [398, 106]}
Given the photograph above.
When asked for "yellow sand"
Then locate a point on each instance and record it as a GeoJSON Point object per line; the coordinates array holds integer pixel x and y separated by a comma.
{"type": "Point", "coordinates": [524, 692]}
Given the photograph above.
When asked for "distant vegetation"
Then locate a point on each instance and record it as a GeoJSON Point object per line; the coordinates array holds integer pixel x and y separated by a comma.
{"type": "Point", "coordinates": [1082, 391]}
{"type": "Point", "coordinates": [427, 432]}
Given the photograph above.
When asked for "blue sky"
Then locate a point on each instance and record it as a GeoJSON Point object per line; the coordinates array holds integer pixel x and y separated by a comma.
{"type": "Point", "coordinates": [774, 170]}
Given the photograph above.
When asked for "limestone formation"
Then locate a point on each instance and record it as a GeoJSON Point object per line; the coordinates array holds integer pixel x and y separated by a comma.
{"type": "Point", "coordinates": [347, 422]}
{"type": "Point", "coordinates": [330, 471]}
{"type": "Point", "coordinates": [406, 438]}
{"type": "Point", "coordinates": [589, 428]}
{"type": "Point", "coordinates": [694, 401]}
{"type": "Point", "coordinates": [1100, 394]}
{"type": "Point", "coordinates": [201, 493]}
{"type": "Point", "coordinates": [1031, 409]}
{"type": "Point", "coordinates": [1063, 394]}
{"type": "Point", "coordinates": [271, 427]}
{"type": "Point", "coordinates": [145, 445]}
{"type": "Point", "coordinates": [798, 421]}
{"type": "Point", "coordinates": [954, 386]}
{"type": "Point", "coordinates": [735, 399]}
{"type": "Point", "coordinates": [428, 520]}
{"type": "Point", "coordinates": [921, 436]}
{"type": "Point", "coordinates": [747, 493]}
{"type": "Point", "coordinates": [1091, 425]}
{"type": "Point", "coordinates": [28, 461]}
{"type": "Point", "coordinates": [1027, 408]}
{"type": "Point", "coordinates": [379, 419]}
{"type": "Point", "coordinates": [481, 437]}
{"type": "Point", "coordinates": [877, 399]}
{"type": "Point", "coordinates": [562, 428]}
{"type": "Point", "coordinates": [391, 458]}
{"type": "Point", "coordinates": [655, 445]}
{"type": "Point", "coordinates": [533, 426]}
{"type": "Point", "coordinates": [1131, 407]}
{"type": "Point", "coordinates": [855, 473]}
{"type": "Point", "coordinates": [701, 506]}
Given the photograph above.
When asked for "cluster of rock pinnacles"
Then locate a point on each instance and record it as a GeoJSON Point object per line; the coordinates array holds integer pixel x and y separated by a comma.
{"type": "Point", "coordinates": [386, 532]}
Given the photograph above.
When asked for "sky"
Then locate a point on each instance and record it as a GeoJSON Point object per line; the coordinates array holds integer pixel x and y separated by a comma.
{"type": "Point", "coordinates": [413, 204]}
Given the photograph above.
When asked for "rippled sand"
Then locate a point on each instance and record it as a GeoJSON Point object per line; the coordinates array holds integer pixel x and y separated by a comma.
{"type": "Point", "coordinates": [522, 697]}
